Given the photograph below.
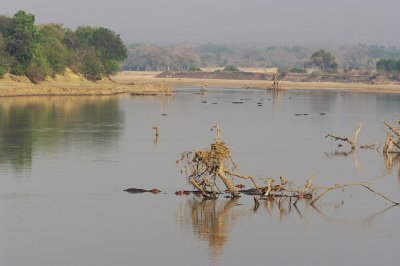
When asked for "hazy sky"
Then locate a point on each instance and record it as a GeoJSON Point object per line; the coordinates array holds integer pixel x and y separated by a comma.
{"type": "Point", "coordinates": [240, 21]}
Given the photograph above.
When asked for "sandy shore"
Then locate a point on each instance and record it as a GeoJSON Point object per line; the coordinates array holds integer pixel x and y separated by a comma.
{"type": "Point", "coordinates": [73, 84]}
{"type": "Point", "coordinates": [146, 83]}
{"type": "Point", "coordinates": [127, 77]}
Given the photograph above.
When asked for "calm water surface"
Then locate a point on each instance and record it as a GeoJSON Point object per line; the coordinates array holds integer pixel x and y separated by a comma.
{"type": "Point", "coordinates": [65, 161]}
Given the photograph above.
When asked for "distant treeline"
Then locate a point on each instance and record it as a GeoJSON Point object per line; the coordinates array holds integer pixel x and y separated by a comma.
{"type": "Point", "coordinates": [38, 51]}
{"type": "Point", "coordinates": [388, 65]}
{"type": "Point", "coordinates": [178, 57]}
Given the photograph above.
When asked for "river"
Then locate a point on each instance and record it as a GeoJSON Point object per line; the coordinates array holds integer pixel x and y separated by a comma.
{"type": "Point", "coordinates": [65, 162]}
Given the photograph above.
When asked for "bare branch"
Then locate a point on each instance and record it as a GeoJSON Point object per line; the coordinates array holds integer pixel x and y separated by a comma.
{"type": "Point", "coordinates": [347, 139]}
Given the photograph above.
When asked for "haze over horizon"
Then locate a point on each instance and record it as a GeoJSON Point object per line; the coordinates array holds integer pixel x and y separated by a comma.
{"type": "Point", "coordinates": [287, 22]}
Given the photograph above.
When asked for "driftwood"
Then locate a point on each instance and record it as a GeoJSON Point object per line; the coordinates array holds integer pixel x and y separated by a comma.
{"type": "Point", "coordinates": [352, 142]}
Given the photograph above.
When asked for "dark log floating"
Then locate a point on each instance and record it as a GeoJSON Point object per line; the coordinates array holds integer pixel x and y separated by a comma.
{"type": "Point", "coordinates": [139, 190]}
{"type": "Point", "coordinates": [300, 114]}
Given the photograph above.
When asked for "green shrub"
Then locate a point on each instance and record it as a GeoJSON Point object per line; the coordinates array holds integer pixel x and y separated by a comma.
{"type": "Point", "coordinates": [18, 69]}
{"type": "Point", "coordinates": [297, 70]}
{"type": "Point", "coordinates": [3, 70]}
{"type": "Point", "coordinates": [283, 70]}
{"type": "Point", "coordinates": [231, 68]}
{"type": "Point", "coordinates": [194, 69]}
{"type": "Point", "coordinates": [111, 67]}
{"type": "Point", "coordinates": [92, 67]}
{"type": "Point", "coordinates": [38, 70]}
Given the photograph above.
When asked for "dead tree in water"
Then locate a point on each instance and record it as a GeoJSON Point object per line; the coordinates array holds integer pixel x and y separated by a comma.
{"type": "Point", "coordinates": [276, 85]}
{"type": "Point", "coordinates": [392, 143]}
{"type": "Point", "coordinates": [204, 166]}
{"type": "Point", "coordinates": [352, 142]}
{"type": "Point", "coordinates": [155, 134]}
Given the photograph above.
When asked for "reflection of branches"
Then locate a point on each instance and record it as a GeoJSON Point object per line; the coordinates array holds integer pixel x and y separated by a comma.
{"type": "Point", "coordinates": [391, 160]}
{"type": "Point", "coordinates": [368, 220]}
{"type": "Point", "coordinates": [337, 153]}
{"type": "Point", "coordinates": [212, 220]}
{"type": "Point", "coordinates": [352, 152]}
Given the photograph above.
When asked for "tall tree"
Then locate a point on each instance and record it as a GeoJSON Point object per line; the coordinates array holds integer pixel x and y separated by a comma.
{"type": "Point", "coordinates": [22, 41]}
{"type": "Point", "coordinates": [323, 60]}
{"type": "Point", "coordinates": [52, 46]}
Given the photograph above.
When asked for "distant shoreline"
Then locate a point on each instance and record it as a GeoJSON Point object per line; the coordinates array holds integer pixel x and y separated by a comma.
{"type": "Point", "coordinates": [146, 83]}
{"type": "Point", "coordinates": [126, 77]}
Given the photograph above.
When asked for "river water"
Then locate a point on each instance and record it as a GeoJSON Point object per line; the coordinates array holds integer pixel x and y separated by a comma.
{"type": "Point", "coordinates": [65, 161]}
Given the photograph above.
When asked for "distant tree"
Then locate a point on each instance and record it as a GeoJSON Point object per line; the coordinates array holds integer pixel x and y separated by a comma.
{"type": "Point", "coordinates": [297, 70]}
{"type": "Point", "coordinates": [283, 71]}
{"type": "Point", "coordinates": [184, 57]}
{"type": "Point", "coordinates": [323, 60]}
{"type": "Point", "coordinates": [388, 65]}
{"type": "Point", "coordinates": [22, 41]}
{"type": "Point", "coordinates": [231, 68]}
{"type": "Point", "coordinates": [194, 69]}
{"type": "Point", "coordinates": [108, 44]}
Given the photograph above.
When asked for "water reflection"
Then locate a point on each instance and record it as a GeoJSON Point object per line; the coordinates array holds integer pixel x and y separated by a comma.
{"type": "Point", "coordinates": [29, 122]}
{"type": "Point", "coordinates": [214, 220]}
{"type": "Point", "coordinates": [391, 161]}
{"type": "Point", "coordinates": [345, 154]}
{"type": "Point", "coordinates": [211, 220]}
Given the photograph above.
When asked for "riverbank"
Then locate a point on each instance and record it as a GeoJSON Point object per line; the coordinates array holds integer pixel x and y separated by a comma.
{"type": "Point", "coordinates": [127, 77]}
{"type": "Point", "coordinates": [73, 84]}
{"type": "Point", "coordinates": [147, 83]}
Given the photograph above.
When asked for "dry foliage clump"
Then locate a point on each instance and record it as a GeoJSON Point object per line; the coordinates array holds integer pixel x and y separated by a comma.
{"type": "Point", "coordinates": [202, 167]}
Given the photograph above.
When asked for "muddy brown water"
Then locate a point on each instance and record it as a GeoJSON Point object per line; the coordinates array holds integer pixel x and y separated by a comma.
{"type": "Point", "coordinates": [65, 161]}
